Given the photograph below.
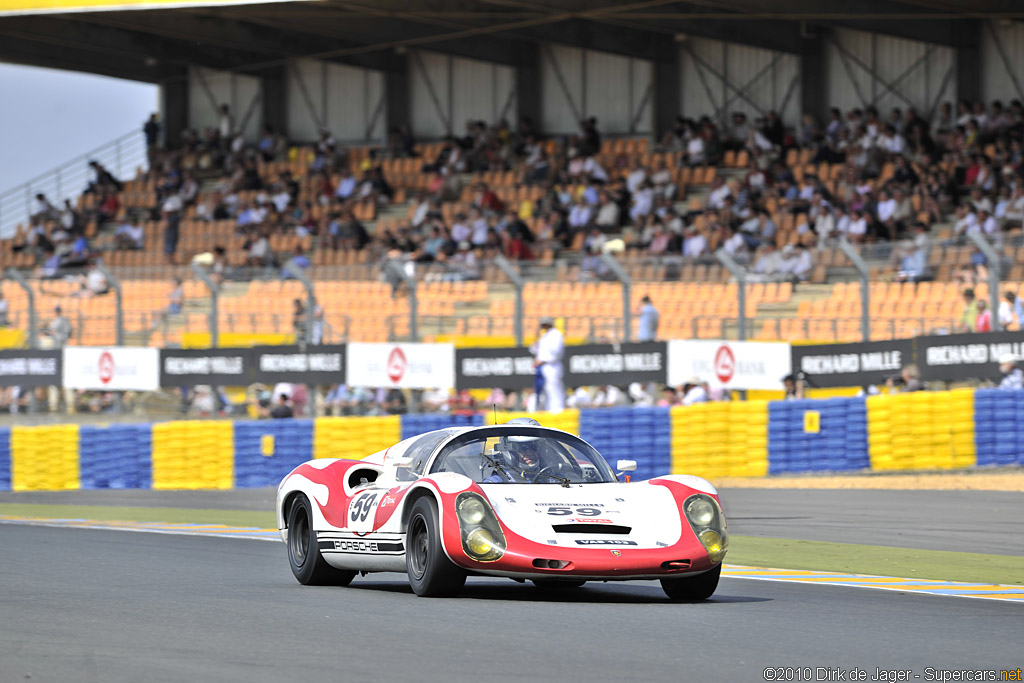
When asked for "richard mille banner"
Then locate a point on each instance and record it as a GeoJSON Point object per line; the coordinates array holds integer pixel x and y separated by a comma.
{"type": "Point", "coordinates": [852, 365]}
{"type": "Point", "coordinates": [505, 368]}
{"type": "Point", "coordinates": [616, 364]}
{"type": "Point", "coordinates": [220, 367]}
{"type": "Point", "coordinates": [315, 365]}
{"type": "Point", "coordinates": [25, 368]}
{"type": "Point", "coordinates": [966, 356]}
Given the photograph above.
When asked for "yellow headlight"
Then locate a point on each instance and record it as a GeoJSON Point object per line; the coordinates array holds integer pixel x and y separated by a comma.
{"type": "Point", "coordinates": [472, 511]}
{"type": "Point", "coordinates": [480, 542]}
{"type": "Point", "coordinates": [713, 544]}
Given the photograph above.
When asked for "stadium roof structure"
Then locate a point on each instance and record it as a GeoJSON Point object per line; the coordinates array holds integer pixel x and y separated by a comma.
{"type": "Point", "coordinates": [156, 40]}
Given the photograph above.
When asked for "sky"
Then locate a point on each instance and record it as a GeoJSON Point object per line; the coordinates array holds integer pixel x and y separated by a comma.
{"type": "Point", "coordinates": [49, 117]}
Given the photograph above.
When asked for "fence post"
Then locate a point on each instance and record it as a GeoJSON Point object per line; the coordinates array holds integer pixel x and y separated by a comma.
{"type": "Point", "coordinates": [622, 276]}
{"type": "Point", "coordinates": [33, 320]}
{"type": "Point", "coordinates": [740, 273]}
{"type": "Point", "coordinates": [201, 273]}
{"type": "Point", "coordinates": [518, 283]}
{"type": "Point", "coordinates": [995, 267]}
{"type": "Point", "coordinates": [395, 268]}
{"type": "Point", "coordinates": [865, 286]}
{"type": "Point", "coordinates": [295, 271]}
{"type": "Point", "coordinates": [115, 284]}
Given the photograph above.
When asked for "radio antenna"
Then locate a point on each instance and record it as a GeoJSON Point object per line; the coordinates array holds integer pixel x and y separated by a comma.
{"type": "Point", "coordinates": [495, 407]}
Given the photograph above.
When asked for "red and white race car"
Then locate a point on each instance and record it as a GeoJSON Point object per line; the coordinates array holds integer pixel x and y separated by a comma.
{"type": "Point", "coordinates": [515, 500]}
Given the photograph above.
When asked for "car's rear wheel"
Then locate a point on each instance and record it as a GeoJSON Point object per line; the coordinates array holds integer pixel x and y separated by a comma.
{"type": "Point", "coordinates": [308, 565]}
{"type": "Point", "coordinates": [431, 573]}
{"type": "Point", "coordinates": [694, 588]}
{"type": "Point", "coordinates": [555, 584]}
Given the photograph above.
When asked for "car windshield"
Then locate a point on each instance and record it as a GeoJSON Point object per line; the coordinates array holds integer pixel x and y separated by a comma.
{"type": "Point", "coordinates": [522, 455]}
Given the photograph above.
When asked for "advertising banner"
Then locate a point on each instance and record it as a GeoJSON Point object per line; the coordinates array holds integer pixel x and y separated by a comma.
{"type": "Point", "coordinates": [111, 368]}
{"type": "Point", "coordinates": [852, 365]}
{"type": "Point", "coordinates": [509, 368]}
{"type": "Point", "coordinates": [956, 357]}
{"type": "Point", "coordinates": [315, 365]}
{"type": "Point", "coordinates": [24, 368]}
{"type": "Point", "coordinates": [220, 367]}
{"type": "Point", "coordinates": [617, 364]}
{"type": "Point", "coordinates": [729, 364]}
{"type": "Point", "coordinates": [408, 366]}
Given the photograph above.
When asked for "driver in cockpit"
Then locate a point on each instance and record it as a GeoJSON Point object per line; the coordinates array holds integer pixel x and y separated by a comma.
{"type": "Point", "coordinates": [520, 459]}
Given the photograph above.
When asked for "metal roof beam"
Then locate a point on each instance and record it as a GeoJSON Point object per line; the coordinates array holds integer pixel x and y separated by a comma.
{"type": "Point", "coordinates": [36, 52]}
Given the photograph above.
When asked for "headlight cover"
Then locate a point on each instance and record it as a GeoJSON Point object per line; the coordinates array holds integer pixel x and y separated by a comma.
{"type": "Point", "coordinates": [708, 524]}
{"type": "Point", "coordinates": [482, 538]}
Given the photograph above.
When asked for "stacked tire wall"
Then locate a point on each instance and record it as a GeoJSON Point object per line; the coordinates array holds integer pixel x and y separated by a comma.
{"type": "Point", "coordinates": [924, 430]}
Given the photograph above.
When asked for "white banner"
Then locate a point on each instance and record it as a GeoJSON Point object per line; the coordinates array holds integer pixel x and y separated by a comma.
{"type": "Point", "coordinates": [729, 364]}
{"type": "Point", "coordinates": [111, 368]}
{"type": "Point", "coordinates": [409, 366]}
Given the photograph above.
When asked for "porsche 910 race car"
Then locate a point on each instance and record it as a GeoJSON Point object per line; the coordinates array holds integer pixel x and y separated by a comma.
{"type": "Point", "coordinates": [515, 500]}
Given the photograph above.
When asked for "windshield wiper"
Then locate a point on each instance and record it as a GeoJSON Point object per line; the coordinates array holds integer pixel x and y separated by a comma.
{"type": "Point", "coordinates": [498, 467]}
{"type": "Point", "coordinates": [563, 481]}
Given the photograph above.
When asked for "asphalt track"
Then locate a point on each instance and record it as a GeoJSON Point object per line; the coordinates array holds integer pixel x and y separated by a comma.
{"type": "Point", "coordinates": [107, 606]}
{"type": "Point", "coordinates": [966, 521]}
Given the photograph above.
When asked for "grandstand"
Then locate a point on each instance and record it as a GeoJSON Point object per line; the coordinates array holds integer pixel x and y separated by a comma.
{"type": "Point", "coordinates": [708, 117]}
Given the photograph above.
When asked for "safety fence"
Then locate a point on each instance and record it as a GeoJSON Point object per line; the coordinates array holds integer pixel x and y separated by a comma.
{"type": "Point", "coordinates": [916, 431]}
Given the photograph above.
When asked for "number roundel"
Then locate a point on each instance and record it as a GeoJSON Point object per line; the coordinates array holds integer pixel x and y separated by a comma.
{"type": "Point", "coordinates": [362, 506]}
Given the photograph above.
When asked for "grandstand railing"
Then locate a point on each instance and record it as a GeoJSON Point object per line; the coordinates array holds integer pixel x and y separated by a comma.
{"type": "Point", "coordinates": [122, 156]}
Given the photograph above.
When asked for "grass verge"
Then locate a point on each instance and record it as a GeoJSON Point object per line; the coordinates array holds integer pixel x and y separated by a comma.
{"type": "Point", "coordinates": [256, 518]}
{"type": "Point", "coordinates": [757, 551]}
{"type": "Point", "coordinates": [851, 558]}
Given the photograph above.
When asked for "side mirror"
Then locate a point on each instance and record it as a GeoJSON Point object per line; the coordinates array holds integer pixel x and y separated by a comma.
{"type": "Point", "coordinates": [626, 466]}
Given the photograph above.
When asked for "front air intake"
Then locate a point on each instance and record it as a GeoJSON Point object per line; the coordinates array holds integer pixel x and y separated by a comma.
{"type": "Point", "coordinates": [591, 529]}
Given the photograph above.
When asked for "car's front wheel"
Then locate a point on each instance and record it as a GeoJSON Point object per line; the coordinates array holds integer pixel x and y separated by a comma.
{"type": "Point", "coordinates": [431, 573]}
{"type": "Point", "coordinates": [693, 588]}
{"type": "Point", "coordinates": [308, 565]}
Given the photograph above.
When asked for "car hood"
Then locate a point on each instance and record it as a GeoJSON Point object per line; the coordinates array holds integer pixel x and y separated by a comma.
{"type": "Point", "coordinates": [635, 515]}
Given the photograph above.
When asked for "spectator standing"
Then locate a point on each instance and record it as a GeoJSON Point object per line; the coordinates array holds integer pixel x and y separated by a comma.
{"type": "Point", "coordinates": [1013, 378]}
{"type": "Point", "coordinates": [793, 387]}
{"type": "Point", "coordinates": [983, 323]}
{"type": "Point", "coordinates": [282, 409]}
{"type": "Point", "coordinates": [969, 317]}
{"type": "Point", "coordinates": [1007, 315]}
{"type": "Point", "coordinates": [172, 209]}
{"type": "Point", "coordinates": [151, 130]}
{"type": "Point", "coordinates": [59, 329]}
{"type": "Point", "coordinates": [550, 347]}
{"type": "Point", "coordinates": [693, 392]}
{"type": "Point", "coordinates": [648, 321]}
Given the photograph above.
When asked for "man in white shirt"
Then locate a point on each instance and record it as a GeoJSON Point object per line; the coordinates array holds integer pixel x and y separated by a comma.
{"type": "Point", "coordinates": [719, 191]}
{"type": "Point", "coordinates": [965, 220]}
{"type": "Point", "coordinates": [594, 171]}
{"type": "Point", "coordinates": [735, 246]}
{"type": "Point", "coordinates": [988, 224]}
{"type": "Point", "coordinates": [346, 185]}
{"type": "Point", "coordinates": [637, 176]}
{"type": "Point", "coordinates": [579, 216]}
{"type": "Point", "coordinates": [695, 244]}
{"type": "Point", "coordinates": [549, 350]}
{"type": "Point", "coordinates": [608, 213]}
{"type": "Point", "coordinates": [128, 235]}
{"type": "Point", "coordinates": [694, 392]}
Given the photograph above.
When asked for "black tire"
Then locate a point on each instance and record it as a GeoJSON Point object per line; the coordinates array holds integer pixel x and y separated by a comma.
{"type": "Point", "coordinates": [555, 584]}
{"type": "Point", "coordinates": [431, 573]}
{"type": "Point", "coordinates": [308, 565]}
{"type": "Point", "coordinates": [692, 589]}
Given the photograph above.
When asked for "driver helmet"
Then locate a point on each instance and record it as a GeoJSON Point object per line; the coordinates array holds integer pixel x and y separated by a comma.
{"type": "Point", "coordinates": [523, 452]}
